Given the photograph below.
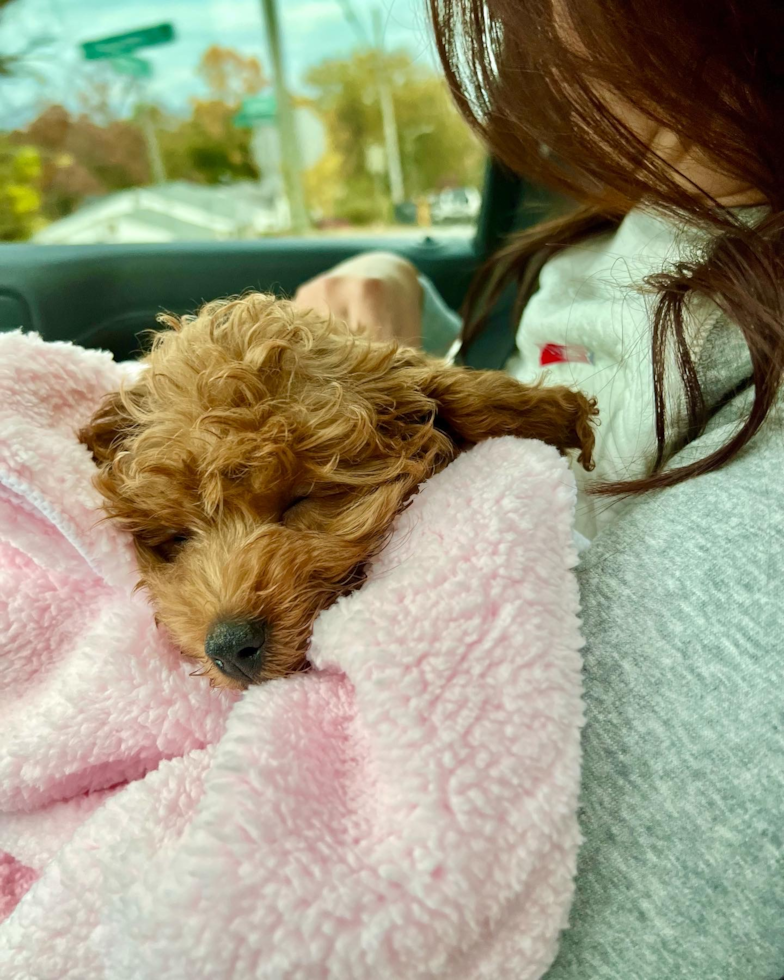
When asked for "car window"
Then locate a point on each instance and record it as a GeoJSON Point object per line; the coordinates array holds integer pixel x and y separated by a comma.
{"type": "Point", "coordinates": [202, 120]}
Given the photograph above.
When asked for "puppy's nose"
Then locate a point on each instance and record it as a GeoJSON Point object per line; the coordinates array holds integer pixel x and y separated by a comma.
{"type": "Point", "coordinates": [236, 647]}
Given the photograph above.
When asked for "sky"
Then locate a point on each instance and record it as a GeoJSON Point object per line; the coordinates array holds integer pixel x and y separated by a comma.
{"type": "Point", "coordinates": [312, 30]}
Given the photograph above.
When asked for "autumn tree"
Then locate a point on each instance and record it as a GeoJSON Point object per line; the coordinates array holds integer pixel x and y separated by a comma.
{"type": "Point", "coordinates": [20, 196]}
{"type": "Point", "coordinates": [80, 158]}
{"type": "Point", "coordinates": [230, 76]}
{"type": "Point", "coordinates": [102, 95]}
{"type": "Point", "coordinates": [437, 148]}
{"type": "Point", "coordinates": [208, 148]}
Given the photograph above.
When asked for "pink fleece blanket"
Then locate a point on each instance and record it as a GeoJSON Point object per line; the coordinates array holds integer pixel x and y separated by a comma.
{"type": "Point", "coordinates": [406, 810]}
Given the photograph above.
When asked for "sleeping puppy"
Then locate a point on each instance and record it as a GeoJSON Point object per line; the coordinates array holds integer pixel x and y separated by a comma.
{"type": "Point", "coordinates": [260, 459]}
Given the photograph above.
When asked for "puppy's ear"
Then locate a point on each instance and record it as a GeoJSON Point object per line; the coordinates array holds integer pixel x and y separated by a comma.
{"type": "Point", "coordinates": [477, 405]}
{"type": "Point", "coordinates": [110, 426]}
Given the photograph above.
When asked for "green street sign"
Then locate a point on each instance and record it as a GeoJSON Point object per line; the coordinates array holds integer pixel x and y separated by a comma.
{"type": "Point", "coordinates": [124, 44]}
{"type": "Point", "coordinates": [256, 109]}
{"type": "Point", "coordinates": [131, 65]}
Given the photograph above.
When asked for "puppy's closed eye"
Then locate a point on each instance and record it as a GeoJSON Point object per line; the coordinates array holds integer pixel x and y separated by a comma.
{"type": "Point", "coordinates": [169, 549]}
{"type": "Point", "coordinates": [165, 547]}
{"type": "Point", "coordinates": [295, 511]}
{"type": "Point", "coordinates": [298, 503]}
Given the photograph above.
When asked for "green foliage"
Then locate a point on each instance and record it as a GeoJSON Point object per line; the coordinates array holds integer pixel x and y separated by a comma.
{"type": "Point", "coordinates": [362, 202]}
{"type": "Point", "coordinates": [207, 148]}
{"type": "Point", "coordinates": [436, 147]}
{"type": "Point", "coordinates": [20, 197]}
{"type": "Point", "coordinates": [62, 159]}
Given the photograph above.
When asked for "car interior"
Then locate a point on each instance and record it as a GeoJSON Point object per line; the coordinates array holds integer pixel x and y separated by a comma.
{"type": "Point", "coordinates": [108, 298]}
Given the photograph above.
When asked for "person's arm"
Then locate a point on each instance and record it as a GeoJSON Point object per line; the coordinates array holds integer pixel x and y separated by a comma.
{"type": "Point", "coordinates": [384, 294]}
{"type": "Point", "coordinates": [681, 875]}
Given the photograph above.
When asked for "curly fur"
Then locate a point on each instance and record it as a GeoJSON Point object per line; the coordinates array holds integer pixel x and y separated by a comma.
{"type": "Point", "coordinates": [264, 452]}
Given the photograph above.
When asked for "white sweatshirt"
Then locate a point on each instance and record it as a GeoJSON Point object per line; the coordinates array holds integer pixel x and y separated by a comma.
{"type": "Point", "coordinates": [588, 326]}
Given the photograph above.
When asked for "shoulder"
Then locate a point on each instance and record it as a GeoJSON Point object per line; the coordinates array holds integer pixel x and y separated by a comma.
{"type": "Point", "coordinates": [694, 527]}
{"type": "Point", "coordinates": [681, 874]}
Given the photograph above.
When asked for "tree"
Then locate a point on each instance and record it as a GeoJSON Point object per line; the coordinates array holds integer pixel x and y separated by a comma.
{"type": "Point", "coordinates": [100, 150]}
{"type": "Point", "coordinates": [103, 96]}
{"type": "Point", "coordinates": [20, 197]}
{"type": "Point", "coordinates": [208, 148]}
{"type": "Point", "coordinates": [82, 159]}
{"type": "Point", "coordinates": [230, 76]}
{"type": "Point", "coordinates": [437, 148]}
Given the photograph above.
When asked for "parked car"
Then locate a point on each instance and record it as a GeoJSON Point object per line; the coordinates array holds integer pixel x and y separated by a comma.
{"type": "Point", "coordinates": [455, 204]}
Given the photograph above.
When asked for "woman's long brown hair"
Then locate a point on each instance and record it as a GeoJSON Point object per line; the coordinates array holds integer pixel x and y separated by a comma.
{"type": "Point", "coordinates": [527, 75]}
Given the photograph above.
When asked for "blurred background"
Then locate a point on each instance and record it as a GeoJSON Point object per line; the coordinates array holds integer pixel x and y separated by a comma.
{"type": "Point", "coordinates": [207, 120]}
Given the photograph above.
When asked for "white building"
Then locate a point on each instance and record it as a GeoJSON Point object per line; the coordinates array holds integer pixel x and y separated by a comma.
{"type": "Point", "coordinates": [175, 212]}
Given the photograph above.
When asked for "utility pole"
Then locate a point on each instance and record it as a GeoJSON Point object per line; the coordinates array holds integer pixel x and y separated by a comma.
{"type": "Point", "coordinates": [145, 111]}
{"type": "Point", "coordinates": [157, 167]}
{"type": "Point", "coordinates": [291, 162]}
{"type": "Point", "coordinates": [389, 119]}
{"type": "Point", "coordinates": [394, 163]}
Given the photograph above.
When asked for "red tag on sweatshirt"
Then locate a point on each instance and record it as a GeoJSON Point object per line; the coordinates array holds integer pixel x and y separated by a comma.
{"type": "Point", "coordinates": [564, 354]}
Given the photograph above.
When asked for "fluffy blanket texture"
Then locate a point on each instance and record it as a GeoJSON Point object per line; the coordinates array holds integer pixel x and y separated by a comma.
{"type": "Point", "coordinates": [406, 810]}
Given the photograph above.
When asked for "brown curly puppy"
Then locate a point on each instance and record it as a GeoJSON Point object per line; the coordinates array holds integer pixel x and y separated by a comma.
{"type": "Point", "coordinates": [260, 460]}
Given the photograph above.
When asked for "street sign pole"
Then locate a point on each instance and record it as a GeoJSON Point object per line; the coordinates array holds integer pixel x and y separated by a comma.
{"type": "Point", "coordinates": [157, 166]}
{"type": "Point", "coordinates": [389, 119]}
{"type": "Point", "coordinates": [291, 163]}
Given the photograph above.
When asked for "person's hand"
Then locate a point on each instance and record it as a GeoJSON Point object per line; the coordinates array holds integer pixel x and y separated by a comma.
{"type": "Point", "coordinates": [377, 292]}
